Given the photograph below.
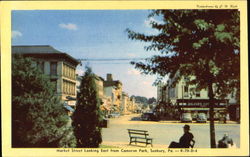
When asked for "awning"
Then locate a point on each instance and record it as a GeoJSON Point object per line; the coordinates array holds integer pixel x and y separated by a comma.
{"type": "Point", "coordinates": [102, 107]}
{"type": "Point", "coordinates": [70, 98]}
{"type": "Point", "coordinates": [202, 109]}
{"type": "Point", "coordinates": [68, 107]}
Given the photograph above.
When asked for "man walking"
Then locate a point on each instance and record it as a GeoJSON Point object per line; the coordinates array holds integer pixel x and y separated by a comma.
{"type": "Point", "coordinates": [185, 140]}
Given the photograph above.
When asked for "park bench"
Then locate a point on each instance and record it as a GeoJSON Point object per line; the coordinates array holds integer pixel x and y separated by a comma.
{"type": "Point", "coordinates": [139, 136]}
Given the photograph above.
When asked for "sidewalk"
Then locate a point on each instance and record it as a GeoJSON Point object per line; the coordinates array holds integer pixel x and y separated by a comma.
{"type": "Point", "coordinates": [194, 122]}
{"type": "Point", "coordinates": [164, 132]}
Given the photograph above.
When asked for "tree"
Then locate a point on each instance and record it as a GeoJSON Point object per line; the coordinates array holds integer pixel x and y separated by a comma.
{"type": "Point", "coordinates": [87, 117]}
{"type": "Point", "coordinates": [151, 100]}
{"type": "Point", "coordinates": [38, 117]}
{"type": "Point", "coordinates": [141, 99]}
{"type": "Point", "coordinates": [199, 43]}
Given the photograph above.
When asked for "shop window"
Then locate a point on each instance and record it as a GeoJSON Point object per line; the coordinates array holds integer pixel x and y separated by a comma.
{"type": "Point", "coordinates": [198, 94]}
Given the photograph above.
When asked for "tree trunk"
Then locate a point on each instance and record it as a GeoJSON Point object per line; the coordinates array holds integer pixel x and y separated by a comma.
{"type": "Point", "coordinates": [211, 115]}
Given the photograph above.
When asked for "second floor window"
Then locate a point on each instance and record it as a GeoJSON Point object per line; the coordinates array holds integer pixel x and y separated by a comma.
{"type": "Point", "coordinates": [40, 66]}
{"type": "Point", "coordinates": [185, 91]}
{"type": "Point", "coordinates": [53, 68]}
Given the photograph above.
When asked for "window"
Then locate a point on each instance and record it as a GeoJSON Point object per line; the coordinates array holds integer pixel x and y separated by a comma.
{"type": "Point", "coordinates": [69, 88]}
{"type": "Point", "coordinates": [71, 73]}
{"type": "Point", "coordinates": [185, 91]}
{"type": "Point", "coordinates": [63, 69]}
{"type": "Point", "coordinates": [53, 68]}
{"type": "Point", "coordinates": [64, 87]}
{"type": "Point", "coordinates": [40, 66]}
{"type": "Point", "coordinates": [74, 89]}
{"type": "Point", "coordinates": [67, 85]}
{"type": "Point", "coordinates": [197, 94]}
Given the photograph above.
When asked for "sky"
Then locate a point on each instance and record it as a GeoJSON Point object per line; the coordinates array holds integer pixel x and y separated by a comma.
{"type": "Point", "coordinates": [92, 34]}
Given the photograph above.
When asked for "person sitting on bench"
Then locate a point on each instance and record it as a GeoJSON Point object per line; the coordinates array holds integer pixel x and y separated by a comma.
{"type": "Point", "coordinates": [225, 142]}
{"type": "Point", "coordinates": [185, 140]}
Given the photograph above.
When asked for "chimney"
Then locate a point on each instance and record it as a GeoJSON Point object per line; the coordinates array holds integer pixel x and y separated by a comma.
{"type": "Point", "coordinates": [109, 77]}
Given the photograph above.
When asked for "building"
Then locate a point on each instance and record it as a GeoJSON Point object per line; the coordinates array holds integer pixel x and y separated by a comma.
{"type": "Point", "coordinates": [58, 66]}
{"type": "Point", "coordinates": [99, 85]}
{"type": "Point", "coordinates": [113, 89]}
{"type": "Point", "coordinates": [105, 100]}
{"type": "Point", "coordinates": [78, 82]}
{"type": "Point", "coordinates": [161, 93]}
{"type": "Point", "coordinates": [189, 99]}
{"type": "Point", "coordinates": [132, 106]}
{"type": "Point", "coordinates": [125, 103]}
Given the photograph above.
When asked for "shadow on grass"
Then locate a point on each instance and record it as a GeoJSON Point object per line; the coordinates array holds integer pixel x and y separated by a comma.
{"type": "Point", "coordinates": [136, 119]}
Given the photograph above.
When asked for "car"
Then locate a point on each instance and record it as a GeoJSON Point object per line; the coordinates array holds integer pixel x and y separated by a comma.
{"type": "Point", "coordinates": [186, 117]}
{"type": "Point", "coordinates": [201, 118]}
{"type": "Point", "coordinates": [148, 116]}
{"type": "Point", "coordinates": [114, 115]}
{"type": "Point", "coordinates": [104, 123]}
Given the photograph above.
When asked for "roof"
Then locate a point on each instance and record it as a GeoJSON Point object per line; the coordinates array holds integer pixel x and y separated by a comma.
{"type": "Point", "coordinates": [42, 51]}
{"type": "Point", "coordinates": [25, 49]}
{"type": "Point", "coordinates": [112, 83]}
{"type": "Point", "coordinates": [98, 77]}
{"type": "Point", "coordinates": [68, 107]}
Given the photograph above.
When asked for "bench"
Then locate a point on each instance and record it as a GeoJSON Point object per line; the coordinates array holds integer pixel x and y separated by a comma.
{"type": "Point", "coordinates": [139, 136]}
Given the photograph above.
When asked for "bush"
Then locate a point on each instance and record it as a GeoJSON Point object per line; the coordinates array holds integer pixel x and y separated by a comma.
{"type": "Point", "coordinates": [38, 117]}
{"type": "Point", "coordinates": [87, 118]}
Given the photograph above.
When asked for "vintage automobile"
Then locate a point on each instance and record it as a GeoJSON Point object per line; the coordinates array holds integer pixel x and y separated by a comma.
{"type": "Point", "coordinates": [201, 118]}
{"type": "Point", "coordinates": [186, 117]}
{"type": "Point", "coordinates": [114, 115]}
{"type": "Point", "coordinates": [149, 116]}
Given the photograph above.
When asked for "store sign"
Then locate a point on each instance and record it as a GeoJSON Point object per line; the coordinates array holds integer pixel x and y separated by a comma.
{"type": "Point", "coordinates": [72, 103]}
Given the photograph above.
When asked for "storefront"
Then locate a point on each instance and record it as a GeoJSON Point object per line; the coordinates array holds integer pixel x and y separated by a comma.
{"type": "Point", "coordinates": [196, 106]}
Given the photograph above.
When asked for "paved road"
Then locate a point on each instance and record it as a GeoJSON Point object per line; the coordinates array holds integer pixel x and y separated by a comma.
{"type": "Point", "coordinates": [163, 133]}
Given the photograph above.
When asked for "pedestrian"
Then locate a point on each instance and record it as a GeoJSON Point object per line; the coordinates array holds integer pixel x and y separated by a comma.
{"type": "Point", "coordinates": [225, 142]}
{"type": "Point", "coordinates": [185, 140]}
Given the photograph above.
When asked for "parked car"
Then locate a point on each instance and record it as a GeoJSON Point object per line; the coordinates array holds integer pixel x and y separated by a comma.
{"type": "Point", "coordinates": [104, 123]}
{"type": "Point", "coordinates": [186, 117]}
{"type": "Point", "coordinates": [114, 115]}
{"type": "Point", "coordinates": [201, 118]}
{"type": "Point", "coordinates": [148, 116]}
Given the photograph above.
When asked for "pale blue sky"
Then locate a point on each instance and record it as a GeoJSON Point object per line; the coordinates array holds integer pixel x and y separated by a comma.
{"type": "Point", "coordinates": [91, 34]}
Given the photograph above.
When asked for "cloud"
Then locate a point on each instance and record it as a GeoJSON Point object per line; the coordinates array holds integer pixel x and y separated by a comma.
{"type": "Point", "coordinates": [148, 25]}
{"type": "Point", "coordinates": [133, 72]}
{"type": "Point", "coordinates": [131, 55]}
{"type": "Point", "coordinates": [146, 83]}
{"type": "Point", "coordinates": [148, 21]}
{"type": "Point", "coordinates": [68, 26]}
{"type": "Point", "coordinates": [15, 34]}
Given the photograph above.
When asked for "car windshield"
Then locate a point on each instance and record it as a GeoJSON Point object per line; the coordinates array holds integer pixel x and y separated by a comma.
{"type": "Point", "coordinates": [202, 115]}
{"type": "Point", "coordinates": [186, 115]}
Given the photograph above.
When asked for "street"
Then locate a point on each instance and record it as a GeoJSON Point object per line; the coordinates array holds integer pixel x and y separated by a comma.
{"type": "Point", "coordinates": [164, 132]}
